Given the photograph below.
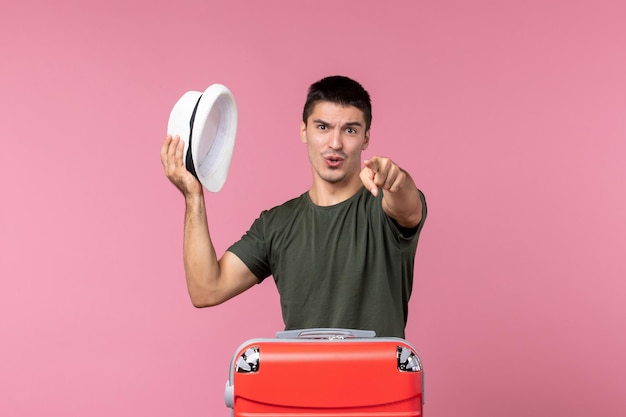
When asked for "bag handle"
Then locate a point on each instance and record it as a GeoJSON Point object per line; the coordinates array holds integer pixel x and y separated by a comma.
{"type": "Point", "coordinates": [325, 333]}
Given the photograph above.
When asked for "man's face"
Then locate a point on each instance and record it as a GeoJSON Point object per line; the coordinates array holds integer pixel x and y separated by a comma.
{"type": "Point", "coordinates": [335, 135]}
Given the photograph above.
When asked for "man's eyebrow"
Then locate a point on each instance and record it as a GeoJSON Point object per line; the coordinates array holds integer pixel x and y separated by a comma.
{"type": "Point", "coordinates": [355, 123]}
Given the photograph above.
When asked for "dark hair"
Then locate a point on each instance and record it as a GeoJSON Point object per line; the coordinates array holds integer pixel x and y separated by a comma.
{"type": "Point", "coordinates": [341, 90]}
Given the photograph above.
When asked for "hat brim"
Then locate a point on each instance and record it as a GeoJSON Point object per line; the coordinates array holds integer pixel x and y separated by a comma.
{"type": "Point", "coordinates": [207, 123]}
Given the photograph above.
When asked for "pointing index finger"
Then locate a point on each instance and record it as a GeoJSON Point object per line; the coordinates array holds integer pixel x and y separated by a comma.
{"type": "Point", "coordinates": [368, 174]}
{"type": "Point", "coordinates": [372, 163]}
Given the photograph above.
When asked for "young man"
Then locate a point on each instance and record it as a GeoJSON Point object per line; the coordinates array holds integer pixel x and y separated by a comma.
{"type": "Point", "coordinates": [342, 253]}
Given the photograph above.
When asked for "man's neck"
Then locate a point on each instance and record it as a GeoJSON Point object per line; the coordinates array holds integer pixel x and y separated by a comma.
{"type": "Point", "coordinates": [324, 193]}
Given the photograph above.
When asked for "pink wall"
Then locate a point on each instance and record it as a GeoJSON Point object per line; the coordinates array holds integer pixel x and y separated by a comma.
{"type": "Point", "coordinates": [510, 115]}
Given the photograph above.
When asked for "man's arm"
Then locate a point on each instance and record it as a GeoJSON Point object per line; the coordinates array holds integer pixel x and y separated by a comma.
{"type": "Point", "coordinates": [401, 201]}
{"type": "Point", "coordinates": [210, 281]}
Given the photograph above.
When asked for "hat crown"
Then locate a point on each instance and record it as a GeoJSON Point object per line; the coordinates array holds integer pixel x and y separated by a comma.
{"type": "Point", "coordinates": [207, 123]}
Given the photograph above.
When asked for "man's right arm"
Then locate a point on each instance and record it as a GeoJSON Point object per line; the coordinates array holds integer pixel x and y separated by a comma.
{"type": "Point", "coordinates": [209, 281]}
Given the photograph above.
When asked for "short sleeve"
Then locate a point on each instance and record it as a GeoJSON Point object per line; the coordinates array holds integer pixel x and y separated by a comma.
{"type": "Point", "coordinates": [252, 249]}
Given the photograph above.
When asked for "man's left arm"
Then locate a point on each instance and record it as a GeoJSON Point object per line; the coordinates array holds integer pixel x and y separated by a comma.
{"type": "Point", "coordinates": [401, 198]}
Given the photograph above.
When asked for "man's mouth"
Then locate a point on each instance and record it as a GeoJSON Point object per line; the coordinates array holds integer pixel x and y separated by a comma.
{"type": "Point", "coordinates": [333, 160]}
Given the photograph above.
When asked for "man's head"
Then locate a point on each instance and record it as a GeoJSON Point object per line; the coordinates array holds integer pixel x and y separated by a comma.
{"type": "Point", "coordinates": [335, 127]}
{"type": "Point", "coordinates": [339, 90]}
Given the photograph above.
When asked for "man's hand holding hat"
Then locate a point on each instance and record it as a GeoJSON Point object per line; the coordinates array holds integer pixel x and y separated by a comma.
{"type": "Point", "coordinates": [175, 169]}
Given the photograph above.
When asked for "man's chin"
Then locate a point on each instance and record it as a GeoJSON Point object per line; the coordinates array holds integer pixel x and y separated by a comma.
{"type": "Point", "coordinates": [334, 177]}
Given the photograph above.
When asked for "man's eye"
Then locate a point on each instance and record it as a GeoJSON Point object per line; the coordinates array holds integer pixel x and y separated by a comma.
{"type": "Point", "coordinates": [350, 130]}
{"type": "Point", "coordinates": [321, 127]}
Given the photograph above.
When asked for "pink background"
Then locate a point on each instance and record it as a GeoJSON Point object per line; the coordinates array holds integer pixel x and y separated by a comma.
{"type": "Point", "coordinates": [510, 115]}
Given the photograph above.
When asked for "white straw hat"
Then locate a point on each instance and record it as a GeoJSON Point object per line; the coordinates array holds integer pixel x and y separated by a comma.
{"type": "Point", "coordinates": [207, 123]}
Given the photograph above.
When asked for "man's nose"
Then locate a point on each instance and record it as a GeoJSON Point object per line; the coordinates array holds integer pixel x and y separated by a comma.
{"type": "Point", "coordinates": [335, 140]}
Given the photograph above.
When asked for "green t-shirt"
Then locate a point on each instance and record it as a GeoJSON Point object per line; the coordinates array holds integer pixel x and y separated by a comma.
{"type": "Point", "coordinates": [346, 266]}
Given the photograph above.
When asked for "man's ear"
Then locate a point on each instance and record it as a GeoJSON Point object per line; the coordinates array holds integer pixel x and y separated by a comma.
{"type": "Point", "coordinates": [303, 132]}
{"type": "Point", "coordinates": [366, 142]}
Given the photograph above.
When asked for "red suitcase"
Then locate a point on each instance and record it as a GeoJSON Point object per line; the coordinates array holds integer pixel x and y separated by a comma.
{"type": "Point", "coordinates": [325, 372]}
